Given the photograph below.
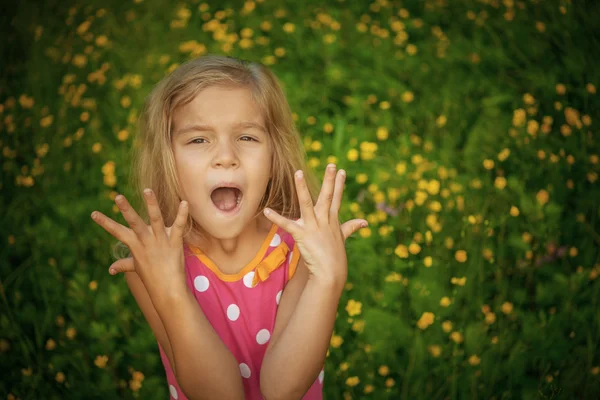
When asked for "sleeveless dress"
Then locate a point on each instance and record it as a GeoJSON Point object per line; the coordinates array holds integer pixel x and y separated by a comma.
{"type": "Point", "coordinates": [242, 307]}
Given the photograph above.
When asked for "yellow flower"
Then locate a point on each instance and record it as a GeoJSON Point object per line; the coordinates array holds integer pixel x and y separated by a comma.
{"type": "Point", "coordinates": [93, 285]}
{"type": "Point", "coordinates": [50, 344]}
{"type": "Point", "coordinates": [561, 89]}
{"type": "Point", "coordinates": [474, 360]}
{"type": "Point", "coordinates": [434, 350]}
{"type": "Point", "coordinates": [507, 307]}
{"type": "Point", "coordinates": [328, 127]}
{"type": "Point", "coordinates": [514, 211]}
{"type": "Point", "coordinates": [490, 318]}
{"type": "Point", "coordinates": [458, 281]}
{"type": "Point", "coordinates": [362, 178]}
{"type": "Point", "coordinates": [101, 361]}
{"type": "Point", "coordinates": [573, 252]}
{"type": "Point", "coordinates": [447, 326]}
{"type": "Point", "coordinates": [460, 256]}
{"type": "Point", "coordinates": [123, 135]}
{"type": "Point", "coordinates": [408, 97]}
{"type": "Point", "coordinates": [382, 133]}
{"type": "Point", "coordinates": [60, 377]}
{"type": "Point", "coordinates": [316, 146]}
{"type": "Point", "coordinates": [426, 319]}
{"type": "Point", "coordinates": [389, 382]}
{"type": "Point", "coordinates": [384, 105]}
{"type": "Point", "coordinates": [336, 341]}
{"type": "Point", "coordinates": [500, 182]}
{"type": "Point", "coordinates": [352, 155]}
{"type": "Point", "coordinates": [353, 307]}
{"type": "Point", "coordinates": [542, 197]}
{"type": "Point", "coordinates": [383, 370]}
{"type": "Point", "coordinates": [46, 121]}
{"type": "Point", "coordinates": [441, 121]}
{"type": "Point", "coordinates": [368, 389]}
{"type": "Point", "coordinates": [445, 301]}
{"type": "Point", "coordinates": [288, 27]}
{"type": "Point", "coordinates": [401, 251]}
{"type": "Point", "coordinates": [414, 248]}
{"type": "Point", "coordinates": [71, 333]}
{"type": "Point", "coordinates": [400, 168]}
{"type": "Point", "coordinates": [358, 326]}
{"type": "Point", "coordinates": [428, 261]}
{"type": "Point", "coordinates": [364, 232]}
{"type": "Point", "coordinates": [590, 88]}
{"type": "Point", "coordinates": [457, 337]}
{"type": "Point", "coordinates": [488, 164]}
{"type": "Point", "coordinates": [352, 381]}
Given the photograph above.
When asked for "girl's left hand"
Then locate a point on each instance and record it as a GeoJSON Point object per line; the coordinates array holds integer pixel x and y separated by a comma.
{"type": "Point", "coordinates": [318, 233]}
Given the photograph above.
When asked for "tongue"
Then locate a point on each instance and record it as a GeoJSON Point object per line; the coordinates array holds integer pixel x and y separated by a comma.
{"type": "Point", "coordinates": [225, 198]}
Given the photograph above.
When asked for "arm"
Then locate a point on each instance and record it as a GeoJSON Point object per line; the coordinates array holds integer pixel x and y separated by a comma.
{"type": "Point", "coordinates": [301, 336]}
{"type": "Point", "coordinates": [139, 292]}
{"type": "Point", "coordinates": [205, 367]}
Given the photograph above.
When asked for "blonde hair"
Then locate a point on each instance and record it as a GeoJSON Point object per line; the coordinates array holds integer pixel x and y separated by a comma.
{"type": "Point", "coordinates": [153, 163]}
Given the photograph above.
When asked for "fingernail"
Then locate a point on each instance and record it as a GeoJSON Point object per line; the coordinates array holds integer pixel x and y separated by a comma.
{"type": "Point", "coordinates": [94, 215]}
{"type": "Point", "coordinates": [364, 225]}
{"type": "Point", "coordinates": [112, 271]}
{"type": "Point", "coordinates": [147, 192]}
{"type": "Point", "coordinates": [342, 172]}
{"type": "Point", "coordinates": [267, 211]}
{"type": "Point", "coordinates": [299, 174]}
{"type": "Point", "coordinates": [331, 166]}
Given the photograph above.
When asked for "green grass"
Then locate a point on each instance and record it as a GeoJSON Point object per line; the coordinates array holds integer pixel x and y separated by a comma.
{"type": "Point", "coordinates": [480, 278]}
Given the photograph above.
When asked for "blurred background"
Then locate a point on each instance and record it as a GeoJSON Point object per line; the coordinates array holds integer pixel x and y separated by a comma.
{"type": "Point", "coordinates": [470, 133]}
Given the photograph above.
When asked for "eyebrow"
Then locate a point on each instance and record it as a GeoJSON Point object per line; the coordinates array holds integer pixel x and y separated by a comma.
{"type": "Point", "coordinates": [205, 128]}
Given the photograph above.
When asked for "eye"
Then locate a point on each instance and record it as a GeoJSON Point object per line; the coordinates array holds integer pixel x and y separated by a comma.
{"type": "Point", "coordinates": [195, 140]}
{"type": "Point", "coordinates": [248, 137]}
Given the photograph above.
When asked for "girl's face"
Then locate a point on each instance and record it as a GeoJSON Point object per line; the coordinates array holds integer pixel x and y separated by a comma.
{"type": "Point", "coordinates": [220, 139]}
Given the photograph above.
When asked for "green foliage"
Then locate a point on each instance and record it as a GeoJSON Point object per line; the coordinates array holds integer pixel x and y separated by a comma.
{"type": "Point", "coordinates": [469, 132]}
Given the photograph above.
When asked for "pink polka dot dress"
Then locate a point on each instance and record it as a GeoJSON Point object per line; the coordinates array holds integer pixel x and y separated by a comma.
{"type": "Point", "coordinates": [242, 307]}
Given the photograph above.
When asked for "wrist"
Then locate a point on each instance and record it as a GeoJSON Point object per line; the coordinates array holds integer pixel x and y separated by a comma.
{"type": "Point", "coordinates": [329, 283]}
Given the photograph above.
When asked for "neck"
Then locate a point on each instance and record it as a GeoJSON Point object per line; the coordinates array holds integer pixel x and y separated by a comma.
{"type": "Point", "coordinates": [217, 248]}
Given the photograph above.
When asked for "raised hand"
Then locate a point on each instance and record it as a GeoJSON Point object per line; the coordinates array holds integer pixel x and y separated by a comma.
{"type": "Point", "coordinates": [318, 233]}
{"type": "Point", "coordinates": [157, 251]}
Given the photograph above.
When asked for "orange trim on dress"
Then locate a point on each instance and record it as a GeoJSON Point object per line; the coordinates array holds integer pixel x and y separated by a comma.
{"type": "Point", "coordinates": [249, 267]}
{"type": "Point", "coordinates": [293, 262]}
{"type": "Point", "coordinates": [270, 263]}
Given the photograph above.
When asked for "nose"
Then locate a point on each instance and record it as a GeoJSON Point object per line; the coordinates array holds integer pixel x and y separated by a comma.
{"type": "Point", "coordinates": [226, 156]}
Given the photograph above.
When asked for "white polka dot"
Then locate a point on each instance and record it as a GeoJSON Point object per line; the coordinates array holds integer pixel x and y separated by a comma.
{"type": "Point", "coordinates": [245, 370]}
{"type": "Point", "coordinates": [321, 376]}
{"type": "Point", "coordinates": [248, 278]}
{"type": "Point", "coordinates": [278, 297]}
{"type": "Point", "coordinates": [173, 392]}
{"type": "Point", "coordinates": [276, 240]}
{"type": "Point", "coordinates": [233, 312]}
{"type": "Point", "coordinates": [263, 336]}
{"type": "Point", "coordinates": [201, 283]}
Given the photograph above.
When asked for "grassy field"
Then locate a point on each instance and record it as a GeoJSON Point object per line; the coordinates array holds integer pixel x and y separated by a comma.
{"type": "Point", "coordinates": [469, 131]}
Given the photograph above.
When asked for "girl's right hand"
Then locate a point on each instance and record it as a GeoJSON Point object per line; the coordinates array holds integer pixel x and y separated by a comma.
{"type": "Point", "coordinates": [157, 251]}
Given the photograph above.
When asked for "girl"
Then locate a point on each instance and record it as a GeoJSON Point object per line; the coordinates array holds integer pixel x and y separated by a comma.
{"type": "Point", "coordinates": [223, 167]}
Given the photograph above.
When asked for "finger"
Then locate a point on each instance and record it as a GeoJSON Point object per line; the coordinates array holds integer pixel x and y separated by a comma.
{"type": "Point", "coordinates": [176, 231]}
{"type": "Point", "coordinates": [156, 219]}
{"type": "Point", "coordinates": [325, 197]}
{"type": "Point", "coordinates": [306, 204]}
{"type": "Point", "coordinates": [122, 265]}
{"type": "Point", "coordinates": [338, 195]}
{"type": "Point", "coordinates": [287, 224]}
{"type": "Point", "coordinates": [120, 232]}
{"type": "Point", "coordinates": [349, 227]}
{"type": "Point", "coordinates": [135, 222]}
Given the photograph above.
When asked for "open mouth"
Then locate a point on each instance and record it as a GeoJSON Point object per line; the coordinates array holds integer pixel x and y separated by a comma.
{"type": "Point", "coordinates": [227, 199]}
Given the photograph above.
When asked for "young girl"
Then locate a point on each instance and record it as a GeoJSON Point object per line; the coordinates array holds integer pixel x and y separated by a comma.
{"type": "Point", "coordinates": [241, 289]}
